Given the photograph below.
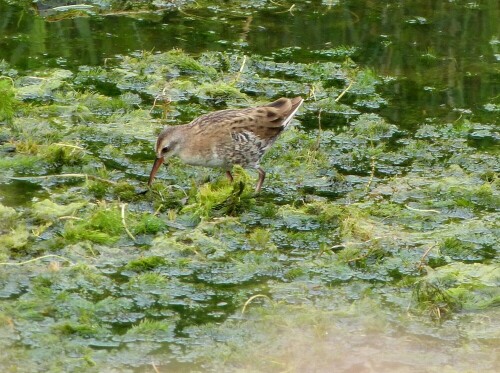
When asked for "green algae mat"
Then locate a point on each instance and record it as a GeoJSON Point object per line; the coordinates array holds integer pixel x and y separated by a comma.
{"type": "Point", "coordinates": [360, 227]}
{"type": "Point", "coordinates": [372, 247]}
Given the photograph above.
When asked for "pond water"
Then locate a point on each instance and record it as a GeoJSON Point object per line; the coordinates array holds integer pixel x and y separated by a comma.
{"type": "Point", "coordinates": [445, 53]}
{"type": "Point", "coordinates": [373, 247]}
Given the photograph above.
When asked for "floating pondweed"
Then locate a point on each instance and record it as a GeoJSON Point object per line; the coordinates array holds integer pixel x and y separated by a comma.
{"type": "Point", "coordinates": [360, 223]}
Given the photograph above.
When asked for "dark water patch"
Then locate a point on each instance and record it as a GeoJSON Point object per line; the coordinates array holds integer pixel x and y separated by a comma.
{"type": "Point", "coordinates": [95, 85]}
{"type": "Point", "coordinates": [462, 45]}
{"type": "Point", "coordinates": [484, 137]}
{"type": "Point", "coordinates": [21, 192]}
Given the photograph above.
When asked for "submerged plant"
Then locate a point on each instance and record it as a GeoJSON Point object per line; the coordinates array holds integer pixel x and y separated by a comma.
{"type": "Point", "coordinates": [154, 330]}
{"type": "Point", "coordinates": [49, 210]}
{"type": "Point", "coordinates": [7, 99]}
{"type": "Point", "coordinates": [458, 286]}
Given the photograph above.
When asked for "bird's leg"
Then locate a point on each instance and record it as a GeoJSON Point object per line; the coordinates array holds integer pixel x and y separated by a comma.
{"type": "Point", "coordinates": [262, 176]}
{"type": "Point", "coordinates": [229, 176]}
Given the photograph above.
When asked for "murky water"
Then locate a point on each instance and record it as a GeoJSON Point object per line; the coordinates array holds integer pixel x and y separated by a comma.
{"type": "Point", "coordinates": [444, 53]}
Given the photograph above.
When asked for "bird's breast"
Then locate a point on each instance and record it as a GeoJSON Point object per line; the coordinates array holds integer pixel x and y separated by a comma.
{"type": "Point", "coordinates": [202, 156]}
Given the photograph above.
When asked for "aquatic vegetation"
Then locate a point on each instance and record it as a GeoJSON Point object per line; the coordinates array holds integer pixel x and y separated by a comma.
{"type": "Point", "coordinates": [185, 63]}
{"type": "Point", "coordinates": [260, 238]}
{"type": "Point", "coordinates": [459, 285]}
{"type": "Point", "coordinates": [359, 218]}
{"type": "Point", "coordinates": [8, 217]}
{"type": "Point", "coordinates": [104, 226]}
{"type": "Point", "coordinates": [220, 198]}
{"type": "Point", "coordinates": [218, 92]}
{"type": "Point", "coordinates": [149, 224]}
{"type": "Point", "coordinates": [145, 264]}
{"type": "Point", "coordinates": [7, 100]}
{"type": "Point", "coordinates": [15, 238]}
{"type": "Point", "coordinates": [49, 210]}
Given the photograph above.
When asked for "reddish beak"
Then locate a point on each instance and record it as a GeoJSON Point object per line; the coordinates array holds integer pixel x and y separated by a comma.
{"type": "Point", "coordinates": [156, 166]}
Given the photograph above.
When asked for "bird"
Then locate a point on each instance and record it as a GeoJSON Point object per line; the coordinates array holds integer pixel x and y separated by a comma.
{"type": "Point", "coordinates": [225, 138]}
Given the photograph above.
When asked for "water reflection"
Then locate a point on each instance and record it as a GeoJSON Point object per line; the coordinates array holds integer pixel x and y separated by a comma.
{"type": "Point", "coordinates": [444, 52]}
{"type": "Point", "coordinates": [19, 192]}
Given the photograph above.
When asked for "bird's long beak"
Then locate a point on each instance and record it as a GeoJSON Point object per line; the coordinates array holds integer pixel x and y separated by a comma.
{"type": "Point", "coordinates": [156, 166]}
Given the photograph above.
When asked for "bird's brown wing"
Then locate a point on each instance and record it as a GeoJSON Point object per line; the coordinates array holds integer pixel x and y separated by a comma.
{"type": "Point", "coordinates": [265, 122]}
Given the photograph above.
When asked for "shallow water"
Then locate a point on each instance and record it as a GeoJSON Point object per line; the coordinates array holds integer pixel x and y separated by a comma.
{"type": "Point", "coordinates": [374, 247]}
{"type": "Point", "coordinates": [444, 53]}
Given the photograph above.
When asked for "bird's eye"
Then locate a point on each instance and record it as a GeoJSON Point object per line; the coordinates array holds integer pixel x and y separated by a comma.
{"type": "Point", "coordinates": [165, 149]}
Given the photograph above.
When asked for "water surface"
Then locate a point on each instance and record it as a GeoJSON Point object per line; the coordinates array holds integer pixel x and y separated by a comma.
{"type": "Point", "coordinates": [444, 54]}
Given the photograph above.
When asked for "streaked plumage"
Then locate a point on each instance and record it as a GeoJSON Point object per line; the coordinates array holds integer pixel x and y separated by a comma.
{"type": "Point", "coordinates": [227, 137]}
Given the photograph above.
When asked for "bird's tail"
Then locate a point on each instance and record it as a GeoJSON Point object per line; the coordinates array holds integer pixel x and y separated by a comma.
{"type": "Point", "coordinates": [286, 109]}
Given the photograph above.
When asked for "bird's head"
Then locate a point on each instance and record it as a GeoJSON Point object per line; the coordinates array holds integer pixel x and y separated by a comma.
{"type": "Point", "coordinates": [167, 145]}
